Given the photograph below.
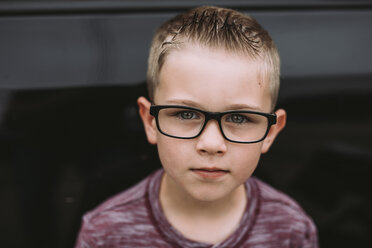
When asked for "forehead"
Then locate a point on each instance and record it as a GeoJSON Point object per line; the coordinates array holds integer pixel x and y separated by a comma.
{"type": "Point", "coordinates": [212, 77]}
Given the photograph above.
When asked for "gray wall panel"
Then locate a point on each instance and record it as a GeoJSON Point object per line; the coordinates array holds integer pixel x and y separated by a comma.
{"type": "Point", "coordinates": [321, 43]}
{"type": "Point", "coordinates": [86, 50]}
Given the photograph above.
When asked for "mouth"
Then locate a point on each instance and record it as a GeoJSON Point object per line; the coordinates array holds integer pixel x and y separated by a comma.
{"type": "Point", "coordinates": [210, 173]}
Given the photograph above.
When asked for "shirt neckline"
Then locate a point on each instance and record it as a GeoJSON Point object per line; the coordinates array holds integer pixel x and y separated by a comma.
{"type": "Point", "coordinates": [176, 239]}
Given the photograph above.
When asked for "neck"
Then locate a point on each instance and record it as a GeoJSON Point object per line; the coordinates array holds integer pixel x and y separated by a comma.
{"type": "Point", "coordinates": [171, 195]}
{"type": "Point", "coordinates": [191, 216]}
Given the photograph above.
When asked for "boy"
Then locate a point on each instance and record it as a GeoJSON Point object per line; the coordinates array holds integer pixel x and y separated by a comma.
{"type": "Point", "coordinates": [213, 81]}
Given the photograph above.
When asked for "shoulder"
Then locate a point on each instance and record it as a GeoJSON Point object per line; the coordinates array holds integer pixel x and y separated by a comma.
{"type": "Point", "coordinates": [276, 203]}
{"type": "Point", "coordinates": [115, 216]}
{"type": "Point", "coordinates": [270, 195]}
{"type": "Point", "coordinates": [121, 200]}
{"type": "Point", "coordinates": [280, 213]}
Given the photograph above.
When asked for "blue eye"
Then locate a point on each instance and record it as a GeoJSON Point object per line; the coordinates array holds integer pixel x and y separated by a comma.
{"type": "Point", "coordinates": [187, 115]}
{"type": "Point", "coordinates": [237, 118]}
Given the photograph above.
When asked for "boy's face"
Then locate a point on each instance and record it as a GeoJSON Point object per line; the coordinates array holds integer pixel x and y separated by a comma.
{"type": "Point", "coordinates": [209, 167]}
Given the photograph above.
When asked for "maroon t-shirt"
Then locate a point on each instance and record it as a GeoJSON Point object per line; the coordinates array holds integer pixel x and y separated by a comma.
{"type": "Point", "coordinates": [134, 218]}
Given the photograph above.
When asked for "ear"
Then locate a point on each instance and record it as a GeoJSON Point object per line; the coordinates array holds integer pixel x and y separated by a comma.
{"type": "Point", "coordinates": [281, 119]}
{"type": "Point", "coordinates": [147, 119]}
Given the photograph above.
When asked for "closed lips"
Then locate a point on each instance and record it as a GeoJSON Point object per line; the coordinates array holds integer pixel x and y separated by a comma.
{"type": "Point", "coordinates": [210, 170]}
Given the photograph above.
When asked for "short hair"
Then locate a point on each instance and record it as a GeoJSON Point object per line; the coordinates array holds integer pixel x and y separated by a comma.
{"type": "Point", "coordinates": [215, 27]}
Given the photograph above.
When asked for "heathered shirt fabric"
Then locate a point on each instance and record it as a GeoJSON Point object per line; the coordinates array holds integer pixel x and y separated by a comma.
{"type": "Point", "coordinates": [134, 218]}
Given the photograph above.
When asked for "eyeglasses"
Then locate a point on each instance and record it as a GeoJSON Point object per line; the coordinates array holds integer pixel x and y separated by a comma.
{"type": "Point", "coordinates": [238, 126]}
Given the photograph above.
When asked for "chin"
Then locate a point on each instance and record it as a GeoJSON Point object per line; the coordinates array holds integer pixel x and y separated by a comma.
{"type": "Point", "coordinates": [207, 195]}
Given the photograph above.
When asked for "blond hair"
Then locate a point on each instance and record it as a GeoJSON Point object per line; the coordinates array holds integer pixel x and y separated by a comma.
{"type": "Point", "coordinates": [216, 28]}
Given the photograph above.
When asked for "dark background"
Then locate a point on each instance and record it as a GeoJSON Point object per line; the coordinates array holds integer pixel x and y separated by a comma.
{"type": "Point", "coordinates": [70, 136]}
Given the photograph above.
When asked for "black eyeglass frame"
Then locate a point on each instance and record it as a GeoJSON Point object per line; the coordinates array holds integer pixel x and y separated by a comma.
{"type": "Point", "coordinates": [154, 111]}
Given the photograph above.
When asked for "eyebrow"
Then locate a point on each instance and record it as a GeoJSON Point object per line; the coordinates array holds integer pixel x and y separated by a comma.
{"type": "Point", "coordinates": [237, 106]}
{"type": "Point", "coordinates": [244, 107]}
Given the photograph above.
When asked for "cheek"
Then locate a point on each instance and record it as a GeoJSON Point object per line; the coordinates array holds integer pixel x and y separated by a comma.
{"type": "Point", "coordinates": [171, 152]}
{"type": "Point", "coordinates": [246, 160]}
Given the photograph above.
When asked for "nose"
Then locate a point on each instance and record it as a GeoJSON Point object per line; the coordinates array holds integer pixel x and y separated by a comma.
{"type": "Point", "coordinates": [211, 140]}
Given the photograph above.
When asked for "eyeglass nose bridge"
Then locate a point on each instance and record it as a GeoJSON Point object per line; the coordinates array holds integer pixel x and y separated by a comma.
{"type": "Point", "coordinates": [212, 116]}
